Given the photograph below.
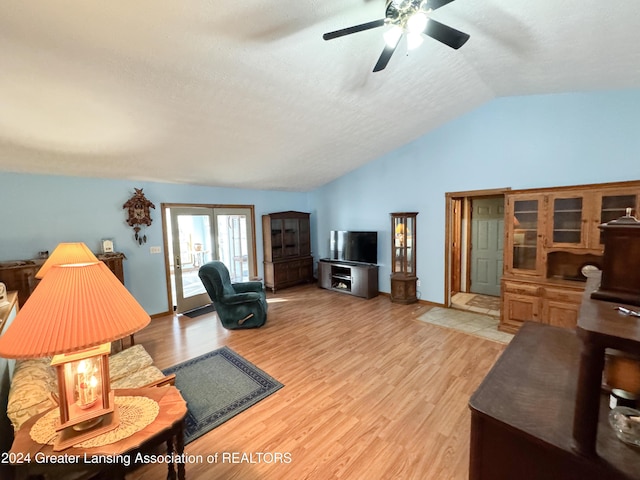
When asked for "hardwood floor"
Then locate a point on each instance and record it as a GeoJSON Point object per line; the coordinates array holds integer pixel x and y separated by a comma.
{"type": "Point", "coordinates": [370, 392]}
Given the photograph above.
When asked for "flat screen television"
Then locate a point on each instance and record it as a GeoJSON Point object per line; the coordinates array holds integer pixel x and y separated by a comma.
{"type": "Point", "coordinates": [359, 247]}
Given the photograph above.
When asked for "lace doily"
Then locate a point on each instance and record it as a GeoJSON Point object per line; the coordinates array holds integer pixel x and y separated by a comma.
{"type": "Point", "coordinates": [135, 413]}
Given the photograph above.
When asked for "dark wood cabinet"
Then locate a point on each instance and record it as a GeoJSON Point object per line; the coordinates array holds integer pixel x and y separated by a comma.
{"type": "Point", "coordinates": [522, 415]}
{"type": "Point", "coordinates": [621, 264]}
{"type": "Point", "coordinates": [360, 280]}
{"type": "Point", "coordinates": [404, 281]}
{"type": "Point", "coordinates": [286, 238]}
{"type": "Point", "coordinates": [541, 412]}
{"type": "Point", "coordinates": [20, 275]}
{"type": "Point", "coordinates": [115, 263]}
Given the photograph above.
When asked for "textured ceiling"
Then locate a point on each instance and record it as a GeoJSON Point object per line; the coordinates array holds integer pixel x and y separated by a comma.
{"type": "Point", "coordinates": [247, 94]}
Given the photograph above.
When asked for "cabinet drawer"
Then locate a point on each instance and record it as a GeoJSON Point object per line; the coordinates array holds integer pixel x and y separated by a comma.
{"type": "Point", "coordinates": [561, 295]}
{"type": "Point", "coordinates": [521, 289]}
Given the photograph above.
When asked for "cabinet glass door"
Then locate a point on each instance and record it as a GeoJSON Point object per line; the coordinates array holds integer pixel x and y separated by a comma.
{"type": "Point", "coordinates": [567, 221]}
{"type": "Point", "coordinates": [276, 238]}
{"type": "Point", "coordinates": [525, 234]}
{"type": "Point", "coordinates": [304, 240]}
{"type": "Point", "coordinates": [613, 207]}
{"type": "Point", "coordinates": [403, 245]}
{"type": "Point", "coordinates": [291, 234]}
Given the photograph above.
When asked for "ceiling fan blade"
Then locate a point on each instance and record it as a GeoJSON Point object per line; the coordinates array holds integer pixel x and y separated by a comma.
{"type": "Point", "coordinates": [354, 29]}
{"type": "Point", "coordinates": [445, 34]}
{"type": "Point", "coordinates": [435, 4]}
{"type": "Point", "coordinates": [386, 56]}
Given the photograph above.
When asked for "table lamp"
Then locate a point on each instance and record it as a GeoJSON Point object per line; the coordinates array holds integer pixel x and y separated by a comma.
{"type": "Point", "coordinates": [73, 315]}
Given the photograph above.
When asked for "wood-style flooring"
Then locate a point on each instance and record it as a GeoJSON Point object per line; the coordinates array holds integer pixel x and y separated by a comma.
{"type": "Point", "coordinates": [370, 391]}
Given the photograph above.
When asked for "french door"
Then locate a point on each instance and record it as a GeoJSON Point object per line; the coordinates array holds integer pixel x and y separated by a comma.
{"type": "Point", "coordinates": [199, 234]}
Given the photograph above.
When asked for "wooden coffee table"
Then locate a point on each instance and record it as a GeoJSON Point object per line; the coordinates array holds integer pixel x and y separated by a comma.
{"type": "Point", "coordinates": [32, 459]}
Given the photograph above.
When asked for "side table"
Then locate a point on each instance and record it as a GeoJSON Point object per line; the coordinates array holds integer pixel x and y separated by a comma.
{"type": "Point", "coordinates": [600, 326]}
{"type": "Point", "coordinates": [32, 459]}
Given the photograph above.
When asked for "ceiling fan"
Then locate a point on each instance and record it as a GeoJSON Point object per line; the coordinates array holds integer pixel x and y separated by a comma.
{"type": "Point", "coordinates": [410, 17]}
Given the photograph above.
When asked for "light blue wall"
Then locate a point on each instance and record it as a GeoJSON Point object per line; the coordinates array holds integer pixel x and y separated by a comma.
{"type": "Point", "coordinates": [41, 211]}
{"type": "Point", "coordinates": [518, 142]}
{"type": "Point", "coordinates": [521, 142]}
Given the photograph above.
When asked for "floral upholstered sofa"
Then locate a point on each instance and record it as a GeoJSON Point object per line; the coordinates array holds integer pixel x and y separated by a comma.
{"type": "Point", "coordinates": [34, 383]}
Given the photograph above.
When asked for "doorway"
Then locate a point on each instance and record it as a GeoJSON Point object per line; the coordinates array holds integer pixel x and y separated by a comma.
{"type": "Point", "coordinates": [198, 234]}
{"type": "Point", "coordinates": [474, 242]}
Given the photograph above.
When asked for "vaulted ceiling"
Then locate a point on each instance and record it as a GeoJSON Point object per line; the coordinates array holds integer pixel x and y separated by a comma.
{"type": "Point", "coordinates": [247, 94]}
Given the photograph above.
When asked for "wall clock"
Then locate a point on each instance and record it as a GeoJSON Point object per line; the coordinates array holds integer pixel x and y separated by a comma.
{"type": "Point", "coordinates": [138, 214]}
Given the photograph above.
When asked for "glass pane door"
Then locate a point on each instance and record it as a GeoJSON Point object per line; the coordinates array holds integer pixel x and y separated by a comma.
{"type": "Point", "coordinates": [291, 235]}
{"type": "Point", "coordinates": [198, 235]}
{"type": "Point", "coordinates": [525, 234]}
{"type": "Point", "coordinates": [403, 244]}
{"type": "Point", "coordinates": [567, 220]}
{"type": "Point", "coordinates": [277, 236]}
{"type": "Point", "coordinates": [191, 243]}
{"type": "Point", "coordinates": [234, 235]}
{"type": "Point", "coordinates": [614, 207]}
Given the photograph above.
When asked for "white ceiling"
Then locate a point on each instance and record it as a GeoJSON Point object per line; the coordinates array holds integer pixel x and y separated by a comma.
{"type": "Point", "coordinates": [247, 94]}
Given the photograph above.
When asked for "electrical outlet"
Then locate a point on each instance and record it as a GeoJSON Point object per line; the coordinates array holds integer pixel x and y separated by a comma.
{"type": "Point", "coordinates": [417, 283]}
{"type": "Point", "coordinates": [155, 250]}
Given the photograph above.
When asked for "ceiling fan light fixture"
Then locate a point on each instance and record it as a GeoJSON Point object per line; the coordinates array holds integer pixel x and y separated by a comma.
{"type": "Point", "coordinates": [417, 22]}
{"type": "Point", "coordinates": [414, 40]}
{"type": "Point", "coordinates": [392, 36]}
{"type": "Point", "coordinates": [411, 17]}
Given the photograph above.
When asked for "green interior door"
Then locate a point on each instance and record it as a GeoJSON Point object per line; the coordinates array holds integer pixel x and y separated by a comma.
{"type": "Point", "coordinates": [487, 235]}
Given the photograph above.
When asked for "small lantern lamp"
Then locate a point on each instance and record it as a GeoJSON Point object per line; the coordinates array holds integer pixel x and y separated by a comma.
{"type": "Point", "coordinates": [83, 385]}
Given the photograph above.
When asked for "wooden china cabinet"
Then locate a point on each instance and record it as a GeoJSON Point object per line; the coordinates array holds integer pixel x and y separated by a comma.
{"type": "Point", "coordinates": [551, 235]}
{"type": "Point", "coordinates": [403, 258]}
{"type": "Point", "coordinates": [286, 239]}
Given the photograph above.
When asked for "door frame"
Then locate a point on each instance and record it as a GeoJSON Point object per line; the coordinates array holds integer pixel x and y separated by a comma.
{"type": "Point", "coordinates": [253, 268]}
{"type": "Point", "coordinates": [457, 213]}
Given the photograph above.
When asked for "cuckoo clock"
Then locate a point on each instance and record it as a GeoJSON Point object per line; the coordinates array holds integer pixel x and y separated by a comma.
{"type": "Point", "coordinates": [138, 214]}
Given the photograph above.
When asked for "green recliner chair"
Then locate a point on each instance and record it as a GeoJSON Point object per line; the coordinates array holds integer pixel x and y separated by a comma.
{"type": "Point", "coordinates": [239, 305]}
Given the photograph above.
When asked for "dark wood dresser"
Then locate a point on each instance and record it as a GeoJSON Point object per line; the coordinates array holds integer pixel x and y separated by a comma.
{"type": "Point", "coordinates": [115, 263]}
{"type": "Point", "coordinates": [20, 275]}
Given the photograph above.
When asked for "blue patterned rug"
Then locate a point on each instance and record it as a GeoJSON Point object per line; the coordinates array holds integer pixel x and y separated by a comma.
{"type": "Point", "coordinates": [218, 386]}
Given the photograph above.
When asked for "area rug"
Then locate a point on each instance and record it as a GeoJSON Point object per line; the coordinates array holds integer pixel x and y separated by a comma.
{"type": "Point", "coordinates": [217, 386]}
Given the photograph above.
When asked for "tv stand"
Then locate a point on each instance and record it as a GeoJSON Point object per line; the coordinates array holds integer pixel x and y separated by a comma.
{"type": "Point", "coordinates": [358, 279]}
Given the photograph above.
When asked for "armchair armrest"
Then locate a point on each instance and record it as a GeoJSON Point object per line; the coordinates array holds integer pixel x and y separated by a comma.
{"type": "Point", "coordinates": [168, 380]}
{"type": "Point", "coordinates": [248, 287]}
{"type": "Point", "coordinates": [240, 298]}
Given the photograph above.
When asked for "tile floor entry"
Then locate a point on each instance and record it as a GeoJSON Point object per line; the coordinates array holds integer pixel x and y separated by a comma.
{"type": "Point", "coordinates": [481, 325]}
{"type": "Point", "coordinates": [477, 303]}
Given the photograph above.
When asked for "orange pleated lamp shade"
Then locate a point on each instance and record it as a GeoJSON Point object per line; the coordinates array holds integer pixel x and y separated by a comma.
{"type": "Point", "coordinates": [74, 307]}
{"type": "Point", "coordinates": [66, 254]}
